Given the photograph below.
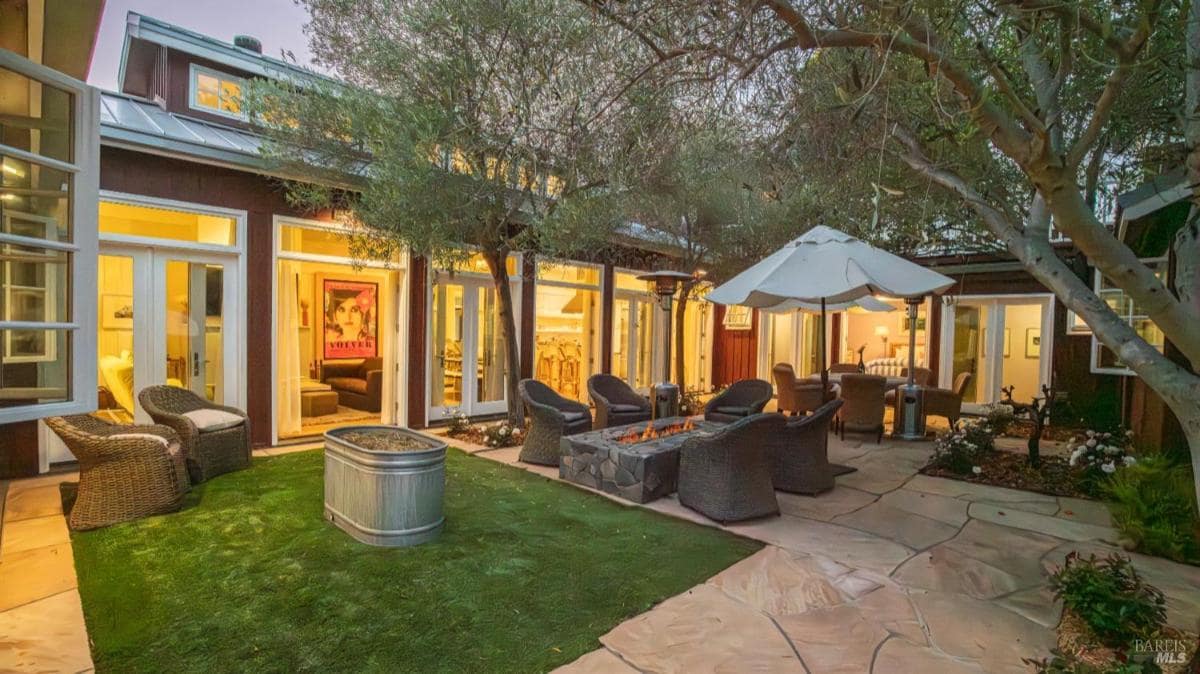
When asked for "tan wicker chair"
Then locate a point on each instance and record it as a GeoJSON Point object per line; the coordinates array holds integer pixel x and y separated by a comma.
{"type": "Point", "coordinates": [123, 473]}
{"type": "Point", "coordinates": [940, 402]}
{"type": "Point", "coordinates": [209, 453]}
{"type": "Point", "coordinates": [800, 455]}
{"type": "Point", "coordinates": [795, 397]}
{"type": "Point", "coordinates": [864, 406]}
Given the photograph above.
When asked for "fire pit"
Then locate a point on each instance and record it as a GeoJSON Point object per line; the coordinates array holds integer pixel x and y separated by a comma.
{"type": "Point", "coordinates": [384, 484]}
{"type": "Point", "coordinates": [638, 462]}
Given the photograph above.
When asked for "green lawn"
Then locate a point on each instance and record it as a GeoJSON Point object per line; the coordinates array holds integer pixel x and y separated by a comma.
{"type": "Point", "coordinates": [527, 574]}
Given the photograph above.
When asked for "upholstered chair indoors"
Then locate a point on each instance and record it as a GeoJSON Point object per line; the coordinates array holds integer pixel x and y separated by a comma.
{"type": "Point", "coordinates": [792, 396]}
{"type": "Point", "coordinates": [947, 403]}
{"type": "Point", "coordinates": [616, 402]}
{"type": "Point", "coordinates": [216, 438]}
{"type": "Point", "coordinates": [551, 416]}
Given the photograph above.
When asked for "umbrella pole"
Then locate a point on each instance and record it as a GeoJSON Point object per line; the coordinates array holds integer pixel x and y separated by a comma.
{"type": "Point", "coordinates": [824, 367]}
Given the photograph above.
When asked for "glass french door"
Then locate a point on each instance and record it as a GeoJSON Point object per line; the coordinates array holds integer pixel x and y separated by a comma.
{"type": "Point", "coordinates": [467, 371]}
{"type": "Point", "coordinates": [633, 340]}
{"type": "Point", "coordinates": [998, 341]}
{"type": "Point", "coordinates": [166, 317]}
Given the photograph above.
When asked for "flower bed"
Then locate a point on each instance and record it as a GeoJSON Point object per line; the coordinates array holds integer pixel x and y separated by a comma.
{"type": "Point", "coordinates": [495, 435]}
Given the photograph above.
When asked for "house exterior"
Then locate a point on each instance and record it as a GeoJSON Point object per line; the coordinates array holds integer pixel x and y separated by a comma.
{"type": "Point", "coordinates": [192, 269]}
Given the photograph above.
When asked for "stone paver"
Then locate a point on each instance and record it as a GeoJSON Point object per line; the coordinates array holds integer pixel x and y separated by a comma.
{"type": "Point", "coordinates": [945, 509]}
{"type": "Point", "coordinates": [1045, 524]}
{"type": "Point", "coordinates": [898, 655]}
{"type": "Point", "coordinates": [780, 582]}
{"type": "Point", "coordinates": [47, 635]}
{"type": "Point", "coordinates": [30, 575]}
{"type": "Point", "coordinates": [908, 529]}
{"type": "Point", "coordinates": [839, 639]}
{"type": "Point", "coordinates": [825, 506]}
{"type": "Point", "coordinates": [979, 630]}
{"type": "Point", "coordinates": [599, 661]}
{"type": "Point", "coordinates": [27, 503]}
{"type": "Point", "coordinates": [703, 630]}
{"type": "Point", "coordinates": [849, 546]}
{"type": "Point", "coordinates": [36, 532]}
{"type": "Point", "coordinates": [1082, 510]}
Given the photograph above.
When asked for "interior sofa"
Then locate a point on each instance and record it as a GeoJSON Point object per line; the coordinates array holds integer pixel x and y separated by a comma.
{"type": "Point", "coordinates": [358, 383]}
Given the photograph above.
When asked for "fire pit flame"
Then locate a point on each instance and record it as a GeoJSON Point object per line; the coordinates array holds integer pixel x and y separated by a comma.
{"type": "Point", "coordinates": [633, 436]}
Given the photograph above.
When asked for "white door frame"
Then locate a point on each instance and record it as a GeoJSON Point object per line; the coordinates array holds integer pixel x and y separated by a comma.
{"type": "Point", "coordinates": [392, 315]}
{"type": "Point", "coordinates": [635, 297]}
{"type": "Point", "coordinates": [470, 282]}
{"type": "Point", "coordinates": [991, 366]}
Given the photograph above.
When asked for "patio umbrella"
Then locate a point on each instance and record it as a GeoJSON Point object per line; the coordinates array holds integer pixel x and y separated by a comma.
{"type": "Point", "coordinates": [868, 303]}
{"type": "Point", "coordinates": [827, 267]}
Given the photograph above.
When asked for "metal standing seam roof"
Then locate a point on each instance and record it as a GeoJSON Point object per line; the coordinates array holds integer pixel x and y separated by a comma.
{"type": "Point", "coordinates": [130, 121]}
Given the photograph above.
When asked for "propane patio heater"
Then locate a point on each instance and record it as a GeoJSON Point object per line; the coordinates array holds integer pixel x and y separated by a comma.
{"type": "Point", "coordinates": [664, 396]}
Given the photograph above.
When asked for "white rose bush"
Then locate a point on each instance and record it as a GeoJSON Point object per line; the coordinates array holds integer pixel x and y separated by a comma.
{"type": "Point", "coordinates": [1097, 455]}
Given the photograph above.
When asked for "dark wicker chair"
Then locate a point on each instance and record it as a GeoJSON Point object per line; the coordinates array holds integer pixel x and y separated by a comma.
{"type": "Point", "coordinates": [799, 455]}
{"type": "Point", "coordinates": [795, 397]}
{"type": "Point", "coordinates": [551, 416]}
{"type": "Point", "coordinates": [123, 474]}
{"type": "Point", "coordinates": [742, 399]}
{"type": "Point", "coordinates": [922, 376]}
{"type": "Point", "coordinates": [726, 476]}
{"type": "Point", "coordinates": [940, 402]}
{"type": "Point", "coordinates": [864, 406]}
{"type": "Point", "coordinates": [616, 403]}
{"type": "Point", "coordinates": [209, 453]}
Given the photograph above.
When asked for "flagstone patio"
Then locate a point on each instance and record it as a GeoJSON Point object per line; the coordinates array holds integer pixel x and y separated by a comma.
{"type": "Point", "coordinates": [892, 571]}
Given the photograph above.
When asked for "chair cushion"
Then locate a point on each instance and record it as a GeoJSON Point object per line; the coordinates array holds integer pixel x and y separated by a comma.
{"type": "Point", "coordinates": [572, 417]}
{"type": "Point", "coordinates": [736, 410]}
{"type": "Point", "coordinates": [213, 420]}
{"type": "Point", "coordinates": [143, 436]}
{"type": "Point", "coordinates": [621, 407]}
{"type": "Point", "coordinates": [351, 384]}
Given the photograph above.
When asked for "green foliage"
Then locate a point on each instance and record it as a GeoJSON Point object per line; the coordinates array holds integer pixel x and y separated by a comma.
{"type": "Point", "coordinates": [1153, 503]}
{"type": "Point", "coordinates": [1110, 597]}
{"type": "Point", "coordinates": [960, 448]}
{"type": "Point", "coordinates": [1063, 663]}
{"type": "Point", "coordinates": [1000, 417]}
{"type": "Point", "coordinates": [249, 577]}
{"type": "Point", "coordinates": [1097, 456]}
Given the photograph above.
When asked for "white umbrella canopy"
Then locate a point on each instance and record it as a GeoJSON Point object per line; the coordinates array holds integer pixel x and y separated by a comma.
{"type": "Point", "coordinates": [826, 264]}
{"type": "Point", "coordinates": [827, 267]}
{"type": "Point", "coordinates": [869, 303]}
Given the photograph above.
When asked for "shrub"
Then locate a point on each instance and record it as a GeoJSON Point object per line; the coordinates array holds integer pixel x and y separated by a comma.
{"type": "Point", "coordinates": [1110, 596]}
{"type": "Point", "coordinates": [959, 449]}
{"type": "Point", "coordinates": [1154, 505]}
{"type": "Point", "coordinates": [459, 422]}
{"type": "Point", "coordinates": [1066, 663]}
{"type": "Point", "coordinates": [1000, 417]}
{"type": "Point", "coordinates": [501, 435]}
{"type": "Point", "coordinates": [1097, 456]}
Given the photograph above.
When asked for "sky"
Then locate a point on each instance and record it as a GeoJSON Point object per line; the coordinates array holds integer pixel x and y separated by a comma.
{"type": "Point", "coordinates": [278, 23]}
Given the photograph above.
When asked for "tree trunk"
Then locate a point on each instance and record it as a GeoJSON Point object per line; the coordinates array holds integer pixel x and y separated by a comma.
{"type": "Point", "coordinates": [508, 334]}
{"type": "Point", "coordinates": [679, 337]}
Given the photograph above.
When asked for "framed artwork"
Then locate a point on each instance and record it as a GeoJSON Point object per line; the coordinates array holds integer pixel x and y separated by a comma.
{"type": "Point", "coordinates": [908, 324]}
{"type": "Point", "coordinates": [737, 317]}
{"type": "Point", "coordinates": [116, 311]}
{"type": "Point", "coordinates": [1033, 342]}
{"type": "Point", "coordinates": [349, 319]}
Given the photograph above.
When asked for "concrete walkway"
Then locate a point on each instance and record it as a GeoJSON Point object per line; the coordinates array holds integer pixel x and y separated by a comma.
{"type": "Point", "coordinates": [890, 572]}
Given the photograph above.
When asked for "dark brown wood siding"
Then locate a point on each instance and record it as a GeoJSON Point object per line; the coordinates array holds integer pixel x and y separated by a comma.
{"type": "Point", "coordinates": [735, 352]}
{"type": "Point", "coordinates": [418, 317]}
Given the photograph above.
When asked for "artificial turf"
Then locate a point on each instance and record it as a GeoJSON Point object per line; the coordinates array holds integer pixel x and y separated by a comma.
{"type": "Point", "coordinates": [527, 574]}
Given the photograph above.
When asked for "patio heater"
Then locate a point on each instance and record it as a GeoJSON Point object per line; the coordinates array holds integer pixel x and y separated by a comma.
{"type": "Point", "coordinates": [910, 398]}
{"type": "Point", "coordinates": [664, 396]}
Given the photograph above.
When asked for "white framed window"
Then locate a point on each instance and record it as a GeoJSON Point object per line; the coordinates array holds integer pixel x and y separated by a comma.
{"type": "Point", "coordinates": [49, 181]}
{"type": "Point", "coordinates": [216, 92]}
{"type": "Point", "coordinates": [1104, 361]}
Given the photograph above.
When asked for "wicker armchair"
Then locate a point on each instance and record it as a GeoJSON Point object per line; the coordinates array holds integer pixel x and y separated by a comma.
{"type": "Point", "coordinates": [864, 406]}
{"type": "Point", "coordinates": [742, 399]}
{"type": "Point", "coordinates": [125, 472]}
{"type": "Point", "coordinates": [921, 377]}
{"type": "Point", "coordinates": [799, 455]}
{"type": "Point", "coordinates": [726, 476]}
{"type": "Point", "coordinates": [209, 453]}
{"type": "Point", "coordinates": [616, 403]}
{"type": "Point", "coordinates": [940, 402]}
{"type": "Point", "coordinates": [551, 417]}
{"type": "Point", "coordinates": [793, 396]}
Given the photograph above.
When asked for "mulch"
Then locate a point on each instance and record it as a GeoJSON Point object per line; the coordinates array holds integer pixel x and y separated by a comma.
{"type": "Point", "coordinates": [475, 435]}
{"type": "Point", "coordinates": [1012, 470]}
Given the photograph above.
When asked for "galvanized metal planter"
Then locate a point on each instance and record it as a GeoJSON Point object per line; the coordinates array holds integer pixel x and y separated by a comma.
{"type": "Point", "coordinates": [385, 498]}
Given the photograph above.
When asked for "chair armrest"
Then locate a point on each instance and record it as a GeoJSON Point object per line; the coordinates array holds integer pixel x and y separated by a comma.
{"type": "Point", "coordinates": [338, 370]}
{"type": "Point", "coordinates": [375, 384]}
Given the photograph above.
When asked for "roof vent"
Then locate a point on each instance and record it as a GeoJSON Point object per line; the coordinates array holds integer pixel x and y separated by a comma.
{"type": "Point", "coordinates": [248, 42]}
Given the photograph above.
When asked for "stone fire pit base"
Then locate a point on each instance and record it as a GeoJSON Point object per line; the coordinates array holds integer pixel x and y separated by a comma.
{"type": "Point", "coordinates": [639, 472]}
